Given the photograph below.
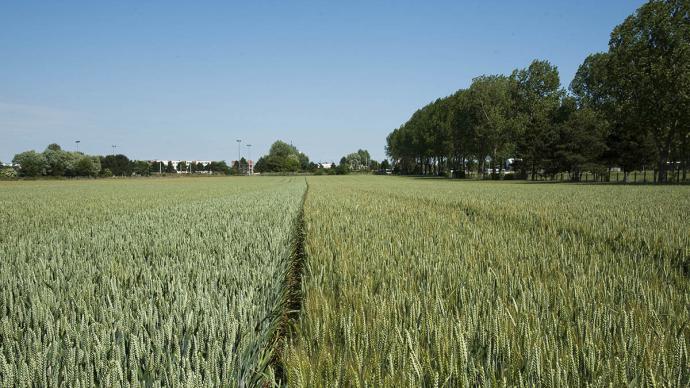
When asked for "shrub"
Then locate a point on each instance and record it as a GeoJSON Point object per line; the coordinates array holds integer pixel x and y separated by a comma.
{"type": "Point", "coordinates": [8, 173]}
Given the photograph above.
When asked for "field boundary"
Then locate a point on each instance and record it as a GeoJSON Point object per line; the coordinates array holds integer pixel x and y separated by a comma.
{"type": "Point", "coordinates": [292, 303]}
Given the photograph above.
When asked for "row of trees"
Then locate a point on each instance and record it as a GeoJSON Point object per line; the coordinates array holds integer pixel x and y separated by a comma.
{"type": "Point", "coordinates": [282, 158]}
{"type": "Point", "coordinates": [286, 158]}
{"type": "Point", "coordinates": [627, 108]}
{"type": "Point", "coordinates": [121, 165]}
{"type": "Point", "coordinates": [54, 161]}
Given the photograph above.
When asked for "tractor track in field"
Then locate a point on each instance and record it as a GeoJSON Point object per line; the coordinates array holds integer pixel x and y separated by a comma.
{"type": "Point", "coordinates": [293, 295]}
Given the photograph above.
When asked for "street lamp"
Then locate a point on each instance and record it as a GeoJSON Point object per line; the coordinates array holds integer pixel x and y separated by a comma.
{"type": "Point", "coordinates": [249, 152]}
{"type": "Point", "coordinates": [239, 141]}
{"type": "Point", "coordinates": [77, 143]}
{"type": "Point", "coordinates": [114, 146]}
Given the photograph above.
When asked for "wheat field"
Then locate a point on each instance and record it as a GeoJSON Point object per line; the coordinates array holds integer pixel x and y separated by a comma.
{"type": "Point", "coordinates": [423, 282]}
{"type": "Point", "coordinates": [343, 281]}
{"type": "Point", "coordinates": [143, 282]}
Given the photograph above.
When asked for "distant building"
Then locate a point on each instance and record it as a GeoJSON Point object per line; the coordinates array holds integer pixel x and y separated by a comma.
{"type": "Point", "coordinates": [162, 164]}
{"type": "Point", "coordinates": [247, 169]}
{"type": "Point", "coordinates": [326, 165]}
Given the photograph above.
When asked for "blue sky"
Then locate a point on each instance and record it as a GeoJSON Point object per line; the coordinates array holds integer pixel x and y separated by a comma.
{"type": "Point", "coordinates": [165, 79]}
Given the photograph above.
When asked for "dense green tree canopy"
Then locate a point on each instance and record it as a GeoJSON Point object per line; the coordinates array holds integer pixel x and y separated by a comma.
{"type": "Point", "coordinates": [357, 161]}
{"type": "Point", "coordinates": [88, 166]}
{"type": "Point", "coordinates": [648, 74]}
{"type": "Point", "coordinates": [283, 157]}
{"type": "Point", "coordinates": [498, 117]}
{"type": "Point", "coordinates": [31, 163]}
{"type": "Point", "coordinates": [58, 161]}
{"type": "Point", "coordinates": [628, 108]}
{"type": "Point", "coordinates": [119, 164]}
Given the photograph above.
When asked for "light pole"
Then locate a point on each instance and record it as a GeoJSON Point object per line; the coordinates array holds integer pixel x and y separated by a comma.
{"type": "Point", "coordinates": [77, 144]}
{"type": "Point", "coordinates": [114, 146]}
{"type": "Point", "coordinates": [249, 160]}
{"type": "Point", "coordinates": [239, 142]}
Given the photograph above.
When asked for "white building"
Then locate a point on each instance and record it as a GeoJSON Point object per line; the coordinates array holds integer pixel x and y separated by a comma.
{"type": "Point", "coordinates": [326, 165]}
{"type": "Point", "coordinates": [162, 164]}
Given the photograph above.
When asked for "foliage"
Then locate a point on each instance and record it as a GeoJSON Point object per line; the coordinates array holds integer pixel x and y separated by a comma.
{"type": "Point", "coordinates": [219, 167]}
{"type": "Point", "coordinates": [87, 166]}
{"type": "Point", "coordinates": [31, 163]}
{"type": "Point", "coordinates": [580, 140]}
{"type": "Point", "coordinates": [496, 118]}
{"type": "Point", "coordinates": [635, 99]}
{"type": "Point", "coordinates": [357, 161]}
{"type": "Point", "coordinates": [283, 157]}
{"type": "Point", "coordinates": [241, 167]}
{"type": "Point", "coordinates": [8, 173]}
{"type": "Point", "coordinates": [647, 74]}
{"type": "Point", "coordinates": [119, 164]}
{"type": "Point", "coordinates": [59, 162]}
{"type": "Point", "coordinates": [55, 161]}
{"type": "Point", "coordinates": [139, 167]}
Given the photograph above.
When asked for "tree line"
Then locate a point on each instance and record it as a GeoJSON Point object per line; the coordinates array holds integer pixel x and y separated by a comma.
{"type": "Point", "coordinates": [54, 161]}
{"type": "Point", "coordinates": [627, 108]}
{"type": "Point", "coordinates": [282, 158]}
{"type": "Point", "coordinates": [286, 158]}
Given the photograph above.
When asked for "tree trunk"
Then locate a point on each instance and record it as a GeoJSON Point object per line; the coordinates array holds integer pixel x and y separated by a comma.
{"type": "Point", "coordinates": [684, 155]}
{"type": "Point", "coordinates": [534, 171]}
{"type": "Point", "coordinates": [662, 176]}
{"type": "Point", "coordinates": [664, 156]}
